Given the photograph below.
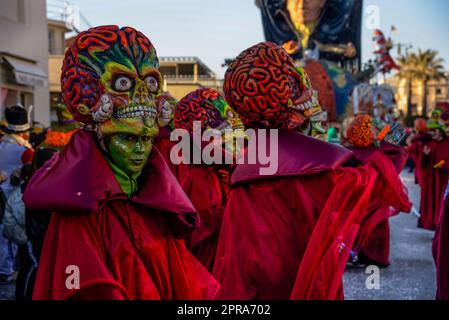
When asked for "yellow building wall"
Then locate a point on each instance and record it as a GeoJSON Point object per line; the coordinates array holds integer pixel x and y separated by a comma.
{"type": "Point", "coordinates": [180, 90]}
{"type": "Point", "coordinates": [54, 72]}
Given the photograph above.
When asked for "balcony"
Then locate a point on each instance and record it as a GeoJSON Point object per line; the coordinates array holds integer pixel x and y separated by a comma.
{"type": "Point", "coordinates": [203, 80]}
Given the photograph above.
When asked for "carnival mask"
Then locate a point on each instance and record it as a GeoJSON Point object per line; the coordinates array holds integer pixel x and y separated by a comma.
{"type": "Point", "coordinates": [110, 78]}
{"type": "Point", "coordinates": [110, 81]}
{"type": "Point", "coordinates": [129, 152]}
{"type": "Point", "coordinates": [213, 112]}
{"type": "Point", "coordinates": [265, 87]}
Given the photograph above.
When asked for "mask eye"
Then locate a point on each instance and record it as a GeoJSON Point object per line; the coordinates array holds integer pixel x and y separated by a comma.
{"type": "Point", "coordinates": [146, 138]}
{"type": "Point", "coordinates": [130, 137]}
{"type": "Point", "coordinates": [122, 84]}
{"type": "Point", "coordinates": [152, 84]}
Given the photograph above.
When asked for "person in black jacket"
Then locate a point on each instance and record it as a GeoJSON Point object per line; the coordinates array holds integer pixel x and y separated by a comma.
{"type": "Point", "coordinates": [36, 224]}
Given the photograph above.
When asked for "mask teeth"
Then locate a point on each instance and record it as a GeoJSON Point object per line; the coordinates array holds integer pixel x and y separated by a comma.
{"type": "Point", "coordinates": [135, 112]}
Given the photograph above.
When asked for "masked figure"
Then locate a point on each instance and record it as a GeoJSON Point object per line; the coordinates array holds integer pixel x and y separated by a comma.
{"type": "Point", "coordinates": [162, 143]}
{"type": "Point", "coordinates": [416, 142]}
{"type": "Point", "coordinates": [118, 210]}
{"type": "Point", "coordinates": [207, 185]}
{"type": "Point", "coordinates": [440, 250]}
{"type": "Point", "coordinates": [289, 234]}
{"type": "Point", "coordinates": [372, 245]}
{"type": "Point", "coordinates": [434, 172]}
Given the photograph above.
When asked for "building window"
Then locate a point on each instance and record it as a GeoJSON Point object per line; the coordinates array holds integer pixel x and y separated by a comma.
{"type": "Point", "coordinates": [51, 41]}
{"type": "Point", "coordinates": [438, 91]}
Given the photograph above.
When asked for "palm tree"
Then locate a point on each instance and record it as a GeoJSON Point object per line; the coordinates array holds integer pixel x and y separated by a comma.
{"type": "Point", "coordinates": [407, 65]}
{"type": "Point", "coordinates": [428, 66]}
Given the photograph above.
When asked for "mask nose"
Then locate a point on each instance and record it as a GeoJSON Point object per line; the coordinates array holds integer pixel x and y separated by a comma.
{"type": "Point", "coordinates": [141, 94]}
{"type": "Point", "coordinates": [139, 148]}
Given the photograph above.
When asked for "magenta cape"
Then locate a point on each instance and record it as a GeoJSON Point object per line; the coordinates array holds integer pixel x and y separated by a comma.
{"type": "Point", "coordinates": [441, 253]}
{"type": "Point", "coordinates": [415, 151]}
{"type": "Point", "coordinates": [373, 239]}
{"type": "Point", "coordinates": [290, 235]}
{"type": "Point", "coordinates": [123, 248]}
{"type": "Point", "coordinates": [207, 188]}
{"type": "Point", "coordinates": [433, 183]}
{"type": "Point", "coordinates": [164, 146]}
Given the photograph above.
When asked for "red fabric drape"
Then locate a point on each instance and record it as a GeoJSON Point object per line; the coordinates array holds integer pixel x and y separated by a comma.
{"type": "Point", "coordinates": [373, 239]}
{"type": "Point", "coordinates": [321, 270]}
{"type": "Point", "coordinates": [207, 188]}
{"type": "Point", "coordinates": [415, 151]}
{"type": "Point", "coordinates": [290, 235]}
{"type": "Point", "coordinates": [441, 253]}
{"type": "Point", "coordinates": [433, 183]}
{"type": "Point", "coordinates": [124, 248]}
{"type": "Point", "coordinates": [121, 252]}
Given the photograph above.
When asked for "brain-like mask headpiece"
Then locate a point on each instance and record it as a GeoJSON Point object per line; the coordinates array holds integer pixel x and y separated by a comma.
{"type": "Point", "coordinates": [110, 77]}
{"type": "Point", "coordinates": [360, 132]}
{"type": "Point", "coordinates": [208, 107]}
{"type": "Point", "coordinates": [263, 85]}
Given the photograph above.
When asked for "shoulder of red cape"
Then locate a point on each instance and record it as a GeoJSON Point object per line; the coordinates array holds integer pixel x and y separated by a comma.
{"type": "Point", "coordinates": [297, 155]}
{"type": "Point", "coordinates": [79, 180]}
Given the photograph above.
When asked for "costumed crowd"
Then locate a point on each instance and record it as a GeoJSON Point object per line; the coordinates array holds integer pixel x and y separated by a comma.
{"type": "Point", "coordinates": [117, 212]}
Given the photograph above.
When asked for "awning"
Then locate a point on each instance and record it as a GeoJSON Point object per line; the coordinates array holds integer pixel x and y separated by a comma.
{"type": "Point", "coordinates": [26, 72]}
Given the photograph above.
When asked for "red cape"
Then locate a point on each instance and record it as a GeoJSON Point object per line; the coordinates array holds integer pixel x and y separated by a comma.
{"type": "Point", "coordinates": [415, 151]}
{"type": "Point", "coordinates": [207, 188]}
{"type": "Point", "coordinates": [373, 240]}
{"type": "Point", "coordinates": [433, 183]}
{"type": "Point", "coordinates": [164, 146]}
{"type": "Point", "coordinates": [123, 248]}
{"type": "Point", "coordinates": [290, 235]}
{"type": "Point", "coordinates": [441, 252]}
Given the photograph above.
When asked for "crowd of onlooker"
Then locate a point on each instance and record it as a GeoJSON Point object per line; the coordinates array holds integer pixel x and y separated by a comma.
{"type": "Point", "coordinates": [21, 232]}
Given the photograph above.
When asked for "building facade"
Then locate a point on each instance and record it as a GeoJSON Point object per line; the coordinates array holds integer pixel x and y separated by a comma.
{"type": "Point", "coordinates": [24, 57]}
{"type": "Point", "coordinates": [437, 91]}
{"type": "Point", "coordinates": [183, 75]}
{"type": "Point", "coordinates": [57, 46]}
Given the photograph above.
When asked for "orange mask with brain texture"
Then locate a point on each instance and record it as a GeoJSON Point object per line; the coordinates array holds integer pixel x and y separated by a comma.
{"type": "Point", "coordinates": [265, 88]}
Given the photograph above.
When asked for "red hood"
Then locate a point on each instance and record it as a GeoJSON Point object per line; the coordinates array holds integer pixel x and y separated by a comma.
{"type": "Point", "coordinates": [297, 155]}
{"type": "Point", "coordinates": [79, 179]}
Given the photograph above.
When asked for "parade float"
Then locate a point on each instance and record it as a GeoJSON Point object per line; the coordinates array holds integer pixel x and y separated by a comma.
{"type": "Point", "coordinates": [324, 37]}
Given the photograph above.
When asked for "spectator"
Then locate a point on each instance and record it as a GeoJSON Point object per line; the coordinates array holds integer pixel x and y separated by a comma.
{"type": "Point", "coordinates": [13, 145]}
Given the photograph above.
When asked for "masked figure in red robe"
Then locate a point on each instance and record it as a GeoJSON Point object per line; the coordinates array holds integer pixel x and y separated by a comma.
{"type": "Point", "coordinates": [416, 143]}
{"type": "Point", "coordinates": [207, 185]}
{"type": "Point", "coordinates": [119, 212]}
{"type": "Point", "coordinates": [434, 175]}
{"type": "Point", "coordinates": [441, 250]}
{"type": "Point", "coordinates": [166, 105]}
{"type": "Point", "coordinates": [290, 223]}
{"type": "Point", "coordinates": [373, 241]}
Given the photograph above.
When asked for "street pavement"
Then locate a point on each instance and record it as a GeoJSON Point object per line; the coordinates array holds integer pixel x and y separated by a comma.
{"type": "Point", "coordinates": [410, 276]}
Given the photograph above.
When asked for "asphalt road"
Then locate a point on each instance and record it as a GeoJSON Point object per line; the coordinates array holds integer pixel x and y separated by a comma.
{"type": "Point", "coordinates": [410, 276]}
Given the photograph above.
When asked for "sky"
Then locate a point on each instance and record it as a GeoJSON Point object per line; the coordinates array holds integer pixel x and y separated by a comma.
{"type": "Point", "coordinates": [217, 29]}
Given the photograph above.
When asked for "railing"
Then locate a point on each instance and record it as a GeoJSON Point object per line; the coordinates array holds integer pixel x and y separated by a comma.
{"type": "Point", "coordinates": [200, 79]}
{"type": "Point", "coordinates": [61, 10]}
